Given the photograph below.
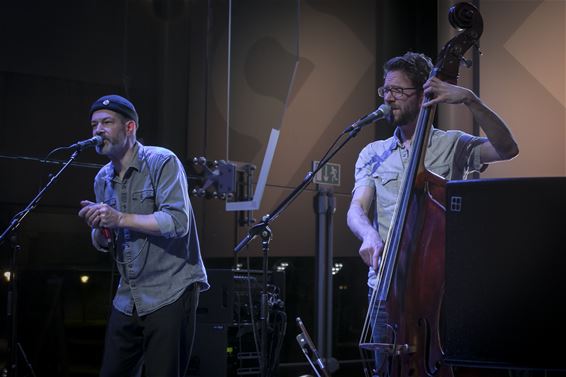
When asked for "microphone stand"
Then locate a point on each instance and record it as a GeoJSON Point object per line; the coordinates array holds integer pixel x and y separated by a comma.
{"type": "Point", "coordinates": [263, 230]}
{"type": "Point", "coordinates": [11, 368]}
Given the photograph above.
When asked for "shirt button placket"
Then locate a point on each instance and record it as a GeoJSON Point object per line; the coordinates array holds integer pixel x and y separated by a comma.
{"type": "Point", "coordinates": [127, 244]}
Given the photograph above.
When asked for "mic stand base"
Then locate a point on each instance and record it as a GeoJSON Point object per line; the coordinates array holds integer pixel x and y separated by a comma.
{"type": "Point", "coordinates": [15, 348]}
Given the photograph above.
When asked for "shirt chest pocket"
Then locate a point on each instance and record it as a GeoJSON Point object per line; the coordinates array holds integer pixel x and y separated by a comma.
{"type": "Point", "coordinates": [387, 178]}
{"type": "Point", "coordinates": [387, 185]}
{"type": "Point", "coordinates": [143, 201]}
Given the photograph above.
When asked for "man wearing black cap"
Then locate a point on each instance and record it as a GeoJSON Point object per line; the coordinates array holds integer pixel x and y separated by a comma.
{"type": "Point", "coordinates": [143, 215]}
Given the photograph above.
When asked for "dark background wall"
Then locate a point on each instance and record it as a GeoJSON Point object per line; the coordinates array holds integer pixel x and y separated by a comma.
{"type": "Point", "coordinates": [171, 58]}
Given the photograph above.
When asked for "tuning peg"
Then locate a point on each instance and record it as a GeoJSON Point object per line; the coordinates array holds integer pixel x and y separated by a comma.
{"type": "Point", "coordinates": [467, 62]}
{"type": "Point", "coordinates": [477, 46]}
{"type": "Point", "coordinates": [199, 160]}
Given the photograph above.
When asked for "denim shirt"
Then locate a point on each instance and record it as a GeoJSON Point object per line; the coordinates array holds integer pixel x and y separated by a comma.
{"type": "Point", "coordinates": [154, 270]}
{"type": "Point", "coordinates": [381, 165]}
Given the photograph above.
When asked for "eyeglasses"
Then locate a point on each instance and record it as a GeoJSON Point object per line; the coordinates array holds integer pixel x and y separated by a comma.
{"type": "Point", "coordinates": [396, 92]}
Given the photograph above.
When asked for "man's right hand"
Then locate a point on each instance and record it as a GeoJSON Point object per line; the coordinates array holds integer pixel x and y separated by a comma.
{"type": "Point", "coordinates": [371, 250]}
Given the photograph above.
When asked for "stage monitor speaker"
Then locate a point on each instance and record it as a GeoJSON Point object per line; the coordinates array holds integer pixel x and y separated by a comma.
{"type": "Point", "coordinates": [505, 273]}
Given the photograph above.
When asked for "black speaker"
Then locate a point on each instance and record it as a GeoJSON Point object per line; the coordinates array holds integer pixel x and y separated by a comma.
{"type": "Point", "coordinates": [505, 269]}
{"type": "Point", "coordinates": [208, 358]}
{"type": "Point", "coordinates": [217, 304]}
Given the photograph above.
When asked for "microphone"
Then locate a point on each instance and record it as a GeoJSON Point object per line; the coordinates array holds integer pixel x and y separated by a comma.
{"type": "Point", "coordinates": [107, 233]}
{"type": "Point", "coordinates": [92, 142]}
{"type": "Point", "coordinates": [381, 112]}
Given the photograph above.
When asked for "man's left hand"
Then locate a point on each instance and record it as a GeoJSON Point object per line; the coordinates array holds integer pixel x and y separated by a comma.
{"type": "Point", "coordinates": [443, 92]}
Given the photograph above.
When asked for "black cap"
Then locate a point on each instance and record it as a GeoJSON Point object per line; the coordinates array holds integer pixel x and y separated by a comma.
{"type": "Point", "coordinates": [115, 103]}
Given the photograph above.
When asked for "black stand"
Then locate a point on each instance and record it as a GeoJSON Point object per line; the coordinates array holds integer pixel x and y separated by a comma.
{"type": "Point", "coordinates": [264, 231]}
{"type": "Point", "coordinates": [325, 205]}
{"type": "Point", "coordinates": [265, 239]}
{"type": "Point", "coordinates": [11, 368]}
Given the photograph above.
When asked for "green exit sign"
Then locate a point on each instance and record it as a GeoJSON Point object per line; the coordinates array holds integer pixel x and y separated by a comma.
{"type": "Point", "coordinates": [328, 175]}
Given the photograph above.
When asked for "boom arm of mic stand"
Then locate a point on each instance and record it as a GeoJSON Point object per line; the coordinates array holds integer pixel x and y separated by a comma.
{"type": "Point", "coordinates": [258, 228]}
{"type": "Point", "coordinates": [17, 219]}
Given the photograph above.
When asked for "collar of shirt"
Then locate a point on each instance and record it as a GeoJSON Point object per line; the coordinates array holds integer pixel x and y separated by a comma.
{"type": "Point", "coordinates": [396, 139]}
{"type": "Point", "coordinates": [135, 162]}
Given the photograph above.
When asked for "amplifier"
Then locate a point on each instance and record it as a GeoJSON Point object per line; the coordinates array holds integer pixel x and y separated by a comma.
{"type": "Point", "coordinates": [505, 262]}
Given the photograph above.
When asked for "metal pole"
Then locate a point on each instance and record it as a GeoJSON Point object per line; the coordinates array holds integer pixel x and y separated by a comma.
{"type": "Point", "coordinates": [331, 208]}
{"type": "Point", "coordinates": [321, 261]}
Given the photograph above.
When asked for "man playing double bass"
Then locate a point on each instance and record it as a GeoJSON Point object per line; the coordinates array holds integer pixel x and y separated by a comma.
{"type": "Point", "coordinates": [451, 154]}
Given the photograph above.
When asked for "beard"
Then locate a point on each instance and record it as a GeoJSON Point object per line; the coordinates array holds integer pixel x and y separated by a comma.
{"type": "Point", "coordinates": [405, 116]}
{"type": "Point", "coordinates": [113, 146]}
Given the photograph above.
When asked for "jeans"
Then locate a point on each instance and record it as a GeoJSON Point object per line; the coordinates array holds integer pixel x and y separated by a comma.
{"type": "Point", "coordinates": [381, 332]}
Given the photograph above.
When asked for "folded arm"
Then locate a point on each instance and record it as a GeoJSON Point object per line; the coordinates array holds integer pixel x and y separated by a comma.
{"type": "Point", "coordinates": [500, 145]}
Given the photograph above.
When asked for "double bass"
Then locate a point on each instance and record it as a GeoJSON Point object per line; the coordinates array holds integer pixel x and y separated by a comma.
{"type": "Point", "coordinates": [402, 325]}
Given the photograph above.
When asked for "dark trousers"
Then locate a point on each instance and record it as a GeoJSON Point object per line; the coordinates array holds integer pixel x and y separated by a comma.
{"type": "Point", "coordinates": [161, 341]}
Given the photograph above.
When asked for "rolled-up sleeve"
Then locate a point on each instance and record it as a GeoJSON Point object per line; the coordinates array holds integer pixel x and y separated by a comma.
{"type": "Point", "coordinates": [173, 212]}
{"type": "Point", "coordinates": [363, 174]}
{"type": "Point", "coordinates": [467, 156]}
